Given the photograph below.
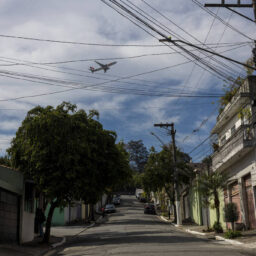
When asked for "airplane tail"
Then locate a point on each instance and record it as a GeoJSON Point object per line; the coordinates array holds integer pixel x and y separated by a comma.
{"type": "Point", "coordinates": [92, 69]}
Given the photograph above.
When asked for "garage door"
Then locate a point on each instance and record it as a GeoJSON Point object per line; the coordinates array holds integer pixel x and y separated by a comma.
{"type": "Point", "coordinates": [9, 216]}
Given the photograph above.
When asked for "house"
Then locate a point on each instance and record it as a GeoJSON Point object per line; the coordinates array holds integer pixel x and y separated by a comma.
{"type": "Point", "coordinates": [235, 152]}
{"type": "Point", "coordinates": [16, 207]}
{"type": "Point", "coordinates": [75, 212]}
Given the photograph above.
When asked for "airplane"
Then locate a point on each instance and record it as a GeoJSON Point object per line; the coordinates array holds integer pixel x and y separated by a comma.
{"type": "Point", "coordinates": [104, 67]}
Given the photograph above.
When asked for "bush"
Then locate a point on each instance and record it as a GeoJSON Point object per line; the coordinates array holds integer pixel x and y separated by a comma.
{"type": "Point", "coordinates": [231, 213]}
{"type": "Point", "coordinates": [230, 234]}
{"type": "Point", "coordinates": [217, 227]}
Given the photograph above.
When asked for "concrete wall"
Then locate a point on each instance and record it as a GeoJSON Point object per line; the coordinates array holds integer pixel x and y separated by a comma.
{"type": "Point", "coordinates": [27, 233]}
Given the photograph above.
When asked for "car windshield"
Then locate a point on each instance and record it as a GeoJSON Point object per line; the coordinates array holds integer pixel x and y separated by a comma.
{"type": "Point", "coordinates": [109, 206]}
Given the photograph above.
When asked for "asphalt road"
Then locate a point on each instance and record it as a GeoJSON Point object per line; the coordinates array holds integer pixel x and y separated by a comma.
{"type": "Point", "coordinates": [129, 232]}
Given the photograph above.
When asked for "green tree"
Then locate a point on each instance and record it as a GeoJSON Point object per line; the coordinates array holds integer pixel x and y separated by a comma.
{"type": "Point", "coordinates": [5, 160]}
{"type": "Point", "coordinates": [159, 172]}
{"type": "Point", "coordinates": [60, 149]}
{"type": "Point", "coordinates": [138, 155]}
{"type": "Point", "coordinates": [231, 214]}
{"type": "Point", "coordinates": [209, 185]}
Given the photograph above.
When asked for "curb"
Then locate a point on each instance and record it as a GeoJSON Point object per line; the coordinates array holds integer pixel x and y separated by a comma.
{"type": "Point", "coordinates": [52, 250]}
{"type": "Point", "coordinates": [234, 242]}
{"type": "Point", "coordinates": [195, 232]}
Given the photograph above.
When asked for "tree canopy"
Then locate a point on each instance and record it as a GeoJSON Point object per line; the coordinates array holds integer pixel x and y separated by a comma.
{"type": "Point", "coordinates": [159, 171]}
{"type": "Point", "coordinates": [68, 154]}
{"type": "Point", "coordinates": [138, 155]}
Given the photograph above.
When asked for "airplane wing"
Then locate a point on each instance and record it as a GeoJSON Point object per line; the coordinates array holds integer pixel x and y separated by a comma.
{"type": "Point", "coordinates": [111, 64]}
{"type": "Point", "coordinates": [100, 64]}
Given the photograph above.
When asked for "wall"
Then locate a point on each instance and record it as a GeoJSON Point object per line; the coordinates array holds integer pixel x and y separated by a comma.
{"type": "Point", "coordinates": [27, 233]}
{"type": "Point", "coordinates": [58, 216]}
{"type": "Point", "coordinates": [195, 208]}
{"type": "Point", "coordinates": [213, 211]}
{"type": "Point", "coordinates": [11, 180]}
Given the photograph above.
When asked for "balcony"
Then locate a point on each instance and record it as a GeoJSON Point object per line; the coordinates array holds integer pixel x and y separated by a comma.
{"type": "Point", "coordinates": [242, 97]}
{"type": "Point", "coordinates": [234, 148]}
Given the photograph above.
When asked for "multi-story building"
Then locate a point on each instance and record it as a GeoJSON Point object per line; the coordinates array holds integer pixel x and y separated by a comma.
{"type": "Point", "coordinates": [235, 154]}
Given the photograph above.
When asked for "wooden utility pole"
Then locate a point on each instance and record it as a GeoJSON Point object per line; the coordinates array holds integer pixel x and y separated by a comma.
{"type": "Point", "coordinates": [239, 5]}
{"type": "Point", "coordinates": [176, 178]}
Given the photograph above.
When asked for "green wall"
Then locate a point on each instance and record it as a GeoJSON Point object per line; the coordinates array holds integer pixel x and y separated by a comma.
{"type": "Point", "coordinates": [213, 211]}
{"type": "Point", "coordinates": [58, 218]}
{"type": "Point", "coordinates": [195, 207]}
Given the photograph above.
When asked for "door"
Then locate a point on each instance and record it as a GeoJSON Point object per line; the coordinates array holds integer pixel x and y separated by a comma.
{"type": "Point", "coordinates": [9, 216]}
{"type": "Point", "coordinates": [250, 202]}
{"type": "Point", "coordinates": [235, 198]}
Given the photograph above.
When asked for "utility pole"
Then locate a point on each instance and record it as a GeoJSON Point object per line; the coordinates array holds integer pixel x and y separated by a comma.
{"type": "Point", "coordinates": [239, 5]}
{"type": "Point", "coordinates": [176, 179]}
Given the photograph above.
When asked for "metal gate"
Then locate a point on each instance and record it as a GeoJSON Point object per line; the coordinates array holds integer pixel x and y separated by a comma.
{"type": "Point", "coordinates": [9, 216]}
{"type": "Point", "coordinates": [250, 202]}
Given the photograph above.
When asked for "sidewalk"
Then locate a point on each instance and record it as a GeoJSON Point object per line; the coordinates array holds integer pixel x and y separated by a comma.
{"type": "Point", "coordinates": [59, 235]}
{"type": "Point", "coordinates": [247, 240]}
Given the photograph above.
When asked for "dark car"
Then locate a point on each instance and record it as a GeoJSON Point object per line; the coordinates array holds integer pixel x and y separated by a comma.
{"type": "Point", "coordinates": [109, 208]}
{"type": "Point", "coordinates": [149, 209]}
{"type": "Point", "coordinates": [116, 201]}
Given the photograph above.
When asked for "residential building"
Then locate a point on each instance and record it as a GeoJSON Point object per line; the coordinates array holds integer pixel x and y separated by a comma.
{"type": "Point", "coordinates": [235, 155]}
{"type": "Point", "coordinates": [17, 213]}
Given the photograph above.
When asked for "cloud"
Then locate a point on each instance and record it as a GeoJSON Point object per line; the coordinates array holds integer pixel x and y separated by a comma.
{"type": "Point", "coordinates": [132, 116]}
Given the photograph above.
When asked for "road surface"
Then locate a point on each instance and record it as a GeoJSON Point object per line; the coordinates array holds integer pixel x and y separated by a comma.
{"type": "Point", "coordinates": [129, 232]}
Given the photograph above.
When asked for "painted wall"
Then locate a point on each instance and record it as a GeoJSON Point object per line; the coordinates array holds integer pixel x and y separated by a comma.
{"type": "Point", "coordinates": [195, 207]}
{"type": "Point", "coordinates": [27, 233]}
{"type": "Point", "coordinates": [213, 211]}
{"type": "Point", "coordinates": [58, 216]}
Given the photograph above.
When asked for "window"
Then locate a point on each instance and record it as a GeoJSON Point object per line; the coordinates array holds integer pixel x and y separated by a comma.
{"type": "Point", "coordinates": [223, 140]}
{"type": "Point", "coordinates": [29, 197]}
{"type": "Point", "coordinates": [233, 130]}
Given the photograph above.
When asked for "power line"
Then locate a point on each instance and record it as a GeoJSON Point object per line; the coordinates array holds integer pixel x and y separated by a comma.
{"type": "Point", "coordinates": [221, 20]}
{"type": "Point", "coordinates": [214, 69]}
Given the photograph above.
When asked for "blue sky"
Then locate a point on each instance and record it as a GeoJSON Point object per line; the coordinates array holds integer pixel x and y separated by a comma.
{"type": "Point", "coordinates": [131, 116]}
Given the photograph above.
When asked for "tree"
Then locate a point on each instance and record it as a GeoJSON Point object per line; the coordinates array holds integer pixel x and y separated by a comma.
{"type": "Point", "coordinates": [231, 214]}
{"type": "Point", "coordinates": [209, 185]}
{"type": "Point", "coordinates": [4, 160]}
{"type": "Point", "coordinates": [138, 155]}
{"type": "Point", "coordinates": [60, 149]}
{"type": "Point", "coordinates": [159, 172]}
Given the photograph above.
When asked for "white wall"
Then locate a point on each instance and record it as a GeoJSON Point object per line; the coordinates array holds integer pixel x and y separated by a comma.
{"type": "Point", "coordinates": [27, 233]}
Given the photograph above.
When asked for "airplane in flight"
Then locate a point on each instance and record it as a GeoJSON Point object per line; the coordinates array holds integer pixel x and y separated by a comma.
{"type": "Point", "coordinates": [104, 67]}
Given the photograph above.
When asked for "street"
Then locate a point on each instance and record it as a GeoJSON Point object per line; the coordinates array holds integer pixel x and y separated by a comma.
{"type": "Point", "coordinates": [130, 232]}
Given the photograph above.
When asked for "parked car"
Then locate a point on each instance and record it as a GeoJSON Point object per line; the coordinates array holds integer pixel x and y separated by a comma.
{"type": "Point", "coordinates": [109, 208]}
{"type": "Point", "coordinates": [116, 200]}
{"type": "Point", "coordinates": [149, 209]}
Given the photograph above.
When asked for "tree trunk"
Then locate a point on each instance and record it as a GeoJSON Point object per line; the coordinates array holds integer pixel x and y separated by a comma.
{"type": "Point", "coordinates": [49, 222]}
{"type": "Point", "coordinates": [217, 205]}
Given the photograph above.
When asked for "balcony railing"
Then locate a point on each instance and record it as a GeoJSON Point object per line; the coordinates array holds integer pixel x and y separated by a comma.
{"type": "Point", "coordinates": [243, 91]}
{"type": "Point", "coordinates": [240, 142]}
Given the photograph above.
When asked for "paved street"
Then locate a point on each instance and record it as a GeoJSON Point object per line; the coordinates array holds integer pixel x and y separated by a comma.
{"type": "Point", "coordinates": [130, 232]}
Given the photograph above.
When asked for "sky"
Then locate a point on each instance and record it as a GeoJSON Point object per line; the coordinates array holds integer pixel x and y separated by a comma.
{"type": "Point", "coordinates": [130, 106]}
